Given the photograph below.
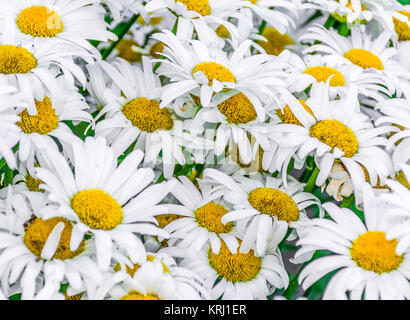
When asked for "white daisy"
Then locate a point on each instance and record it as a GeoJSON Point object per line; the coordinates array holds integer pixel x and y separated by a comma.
{"type": "Point", "coordinates": [135, 117]}
{"type": "Point", "coordinates": [263, 208]}
{"type": "Point", "coordinates": [36, 255]}
{"type": "Point", "coordinates": [239, 276]}
{"type": "Point", "coordinates": [336, 130]}
{"type": "Point", "coordinates": [199, 220]}
{"type": "Point", "coordinates": [360, 50]}
{"type": "Point", "coordinates": [112, 202]}
{"type": "Point", "coordinates": [372, 258]}
{"type": "Point", "coordinates": [201, 70]}
{"type": "Point", "coordinates": [74, 21]}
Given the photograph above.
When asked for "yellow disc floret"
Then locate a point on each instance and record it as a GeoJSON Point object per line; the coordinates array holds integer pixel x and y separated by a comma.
{"type": "Point", "coordinates": [156, 49]}
{"type": "Point", "coordinates": [37, 232]}
{"type": "Point", "coordinates": [147, 115]}
{"type": "Point", "coordinates": [287, 116]}
{"type": "Point", "coordinates": [274, 203]}
{"type": "Point", "coordinates": [336, 134]}
{"type": "Point", "coordinates": [33, 183]}
{"type": "Point", "coordinates": [238, 109]}
{"type": "Point", "coordinates": [166, 219]}
{"type": "Point", "coordinates": [45, 121]}
{"type": "Point", "coordinates": [323, 73]}
{"type": "Point", "coordinates": [97, 209]}
{"type": "Point", "coordinates": [238, 267]}
{"type": "Point", "coordinates": [276, 42]}
{"type": "Point", "coordinates": [128, 50]}
{"type": "Point", "coordinates": [402, 28]}
{"type": "Point", "coordinates": [213, 70]}
{"type": "Point", "coordinates": [364, 59]}
{"type": "Point", "coordinates": [134, 295]}
{"type": "Point", "coordinates": [200, 6]}
{"type": "Point", "coordinates": [209, 217]}
{"type": "Point", "coordinates": [40, 21]}
{"type": "Point", "coordinates": [222, 32]}
{"type": "Point", "coordinates": [372, 251]}
{"type": "Point", "coordinates": [16, 60]}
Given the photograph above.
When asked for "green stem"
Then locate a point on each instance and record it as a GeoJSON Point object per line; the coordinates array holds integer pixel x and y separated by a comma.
{"type": "Point", "coordinates": [262, 27]}
{"type": "Point", "coordinates": [330, 22]}
{"type": "Point", "coordinates": [121, 35]}
{"type": "Point", "coordinates": [347, 202]}
{"type": "Point", "coordinates": [344, 30]}
{"type": "Point", "coordinates": [311, 184]}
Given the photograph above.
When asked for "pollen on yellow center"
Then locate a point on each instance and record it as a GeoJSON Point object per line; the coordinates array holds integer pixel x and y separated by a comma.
{"type": "Point", "coordinates": [372, 251]}
{"type": "Point", "coordinates": [364, 59]}
{"type": "Point", "coordinates": [209, 217]}
{"type": "Point", "coordinates": [200, 6]}
{"type": "Point", "coordinates": [238, 267]}
{"type": "Point", "coordinates": [287, 116]}
{"type": "Point", "coordinates": [33, 183]}
{"type": "Point", "coordinates": [402, 28]}
{"type": "Point", "coordinates": [135, 295]}
{"type": "Point", "coordinates": [37, 232]}
{"type": "Point", "coordinates": [16, 60]}
{"type": "Point", "coordinates": [274, 203]}
{"type": "Point", "coordinates": [166, 219]}
{"type": "Point", "coordinates": [156, 49]}
{"type": "Point", "coordinates": [97, 209]}
{"type": "Point", "coordinates": [213, 70]}
{"type": "Point", "coordinates": [323, 73]}
{"type": "Point", "coordinates": [276, 42]}
{"type": "Point", "coordinates": [45, 121]}
{"type": "Point", "coordinates": [127, 50]}
{"type": "Point", "coordinates": [147, 115]}
{"type": "Point", "coordinates": [238, 109]}
{"type": "Point", "coordinates": [336, 134]}
{"type": "Point", "coordinates": [40, 21]}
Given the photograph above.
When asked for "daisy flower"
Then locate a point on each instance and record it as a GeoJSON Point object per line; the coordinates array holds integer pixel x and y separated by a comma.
{"type": "Point", "coordinates": [336, 130]}
{"type": "Point", "coordinates": [314, 69]}
{"type": "Point", "coordinates": [36, 255]}
{"type": "Point", "coordinates": [135, 116]}
{"type": "Point", "coordinates": [370, 257]}
{"type": "Point", "coordinates": [151, 281]}
{"type": "Point", "coordinates": [48, 122]}
{"type": "Point", "coordinates": [34, 68]}
{"type": "Point", "coordinates": [202, 16]}
{"type": "Point", "coordinates": [355, 12]}
{"type": "Point", "coordinates": [263, 208]}
{"type": "Point", "coordinates": [201, 70]}
{"type": "Point", "coordinates": [200, 218]}
{"type": "Point", "coordinates": [72, 21]}
{"type": "Point", "coordinates": [238, 276]}
{"type": "Point", "coordinates": [112, 202]}
{"type": "Point", "coordinates": [359, 50]}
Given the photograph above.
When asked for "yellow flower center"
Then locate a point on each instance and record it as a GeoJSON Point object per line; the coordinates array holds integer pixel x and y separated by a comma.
{"type": "Point", "coordinates": [16, 60]}
{"type": "Point", "coordinates": [37, 232]}
{"type": "Point", "coordinates": [166, 219]}
{"type": "Point", "coordinates": [402, 29]}
{"type": "Point", "coordinates": [127, 50]}
{"type": "Point", "coordinates": [134, 269]}
{"type": "Point", "coordinates": [238, 267]}
{"type": "Point", "coordinates": [213, 70]}
{"type": "Point", "coordinates": [238, 109]}
{"type": "Point", "coordinates": [154, 21]}
{"type": "Point", "coordinates": [276, 42]}
{"type": "Point", "coordinates": [287, 116]}
{"type": "Point", "coordinates": [400, 177]}
{"type": "Point", "coordinates": [200, 6]}
{"type": "Point", "coordinates": [364, 59]}
{"type": "Point", "coordinates": [222, 32]}
{"type": "Point", "coordinates": [322, 74]}
{"type": "Point", "coordinates": [134, 295]}
{"type": "Point", "coordinates": [156, 49]}
{"type": "Point", "coordinates": [336, 134]}
{"type": "Point", "coordinates": [97, 209]}
{"type": "Point", "coordinates": [147, 115]}
{"type": "Point", "coordinates": [74, 297]}
{"type": "Point", "coordinates": [209, 217]}
{"type": "Point", "coordinates": [274, 203]}
{"type": "Point", "coordinates": [372, 251]}
{"type": "Point", "coordinates": [40, 21]}
{"type": "Point", "coordinates": [33, 183]}
{"type": "Point", "coordinates": [45, 121]}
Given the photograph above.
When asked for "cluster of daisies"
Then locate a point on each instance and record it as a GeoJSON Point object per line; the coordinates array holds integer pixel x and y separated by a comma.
{"type": "Point", "coordinates": [204, 149]}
